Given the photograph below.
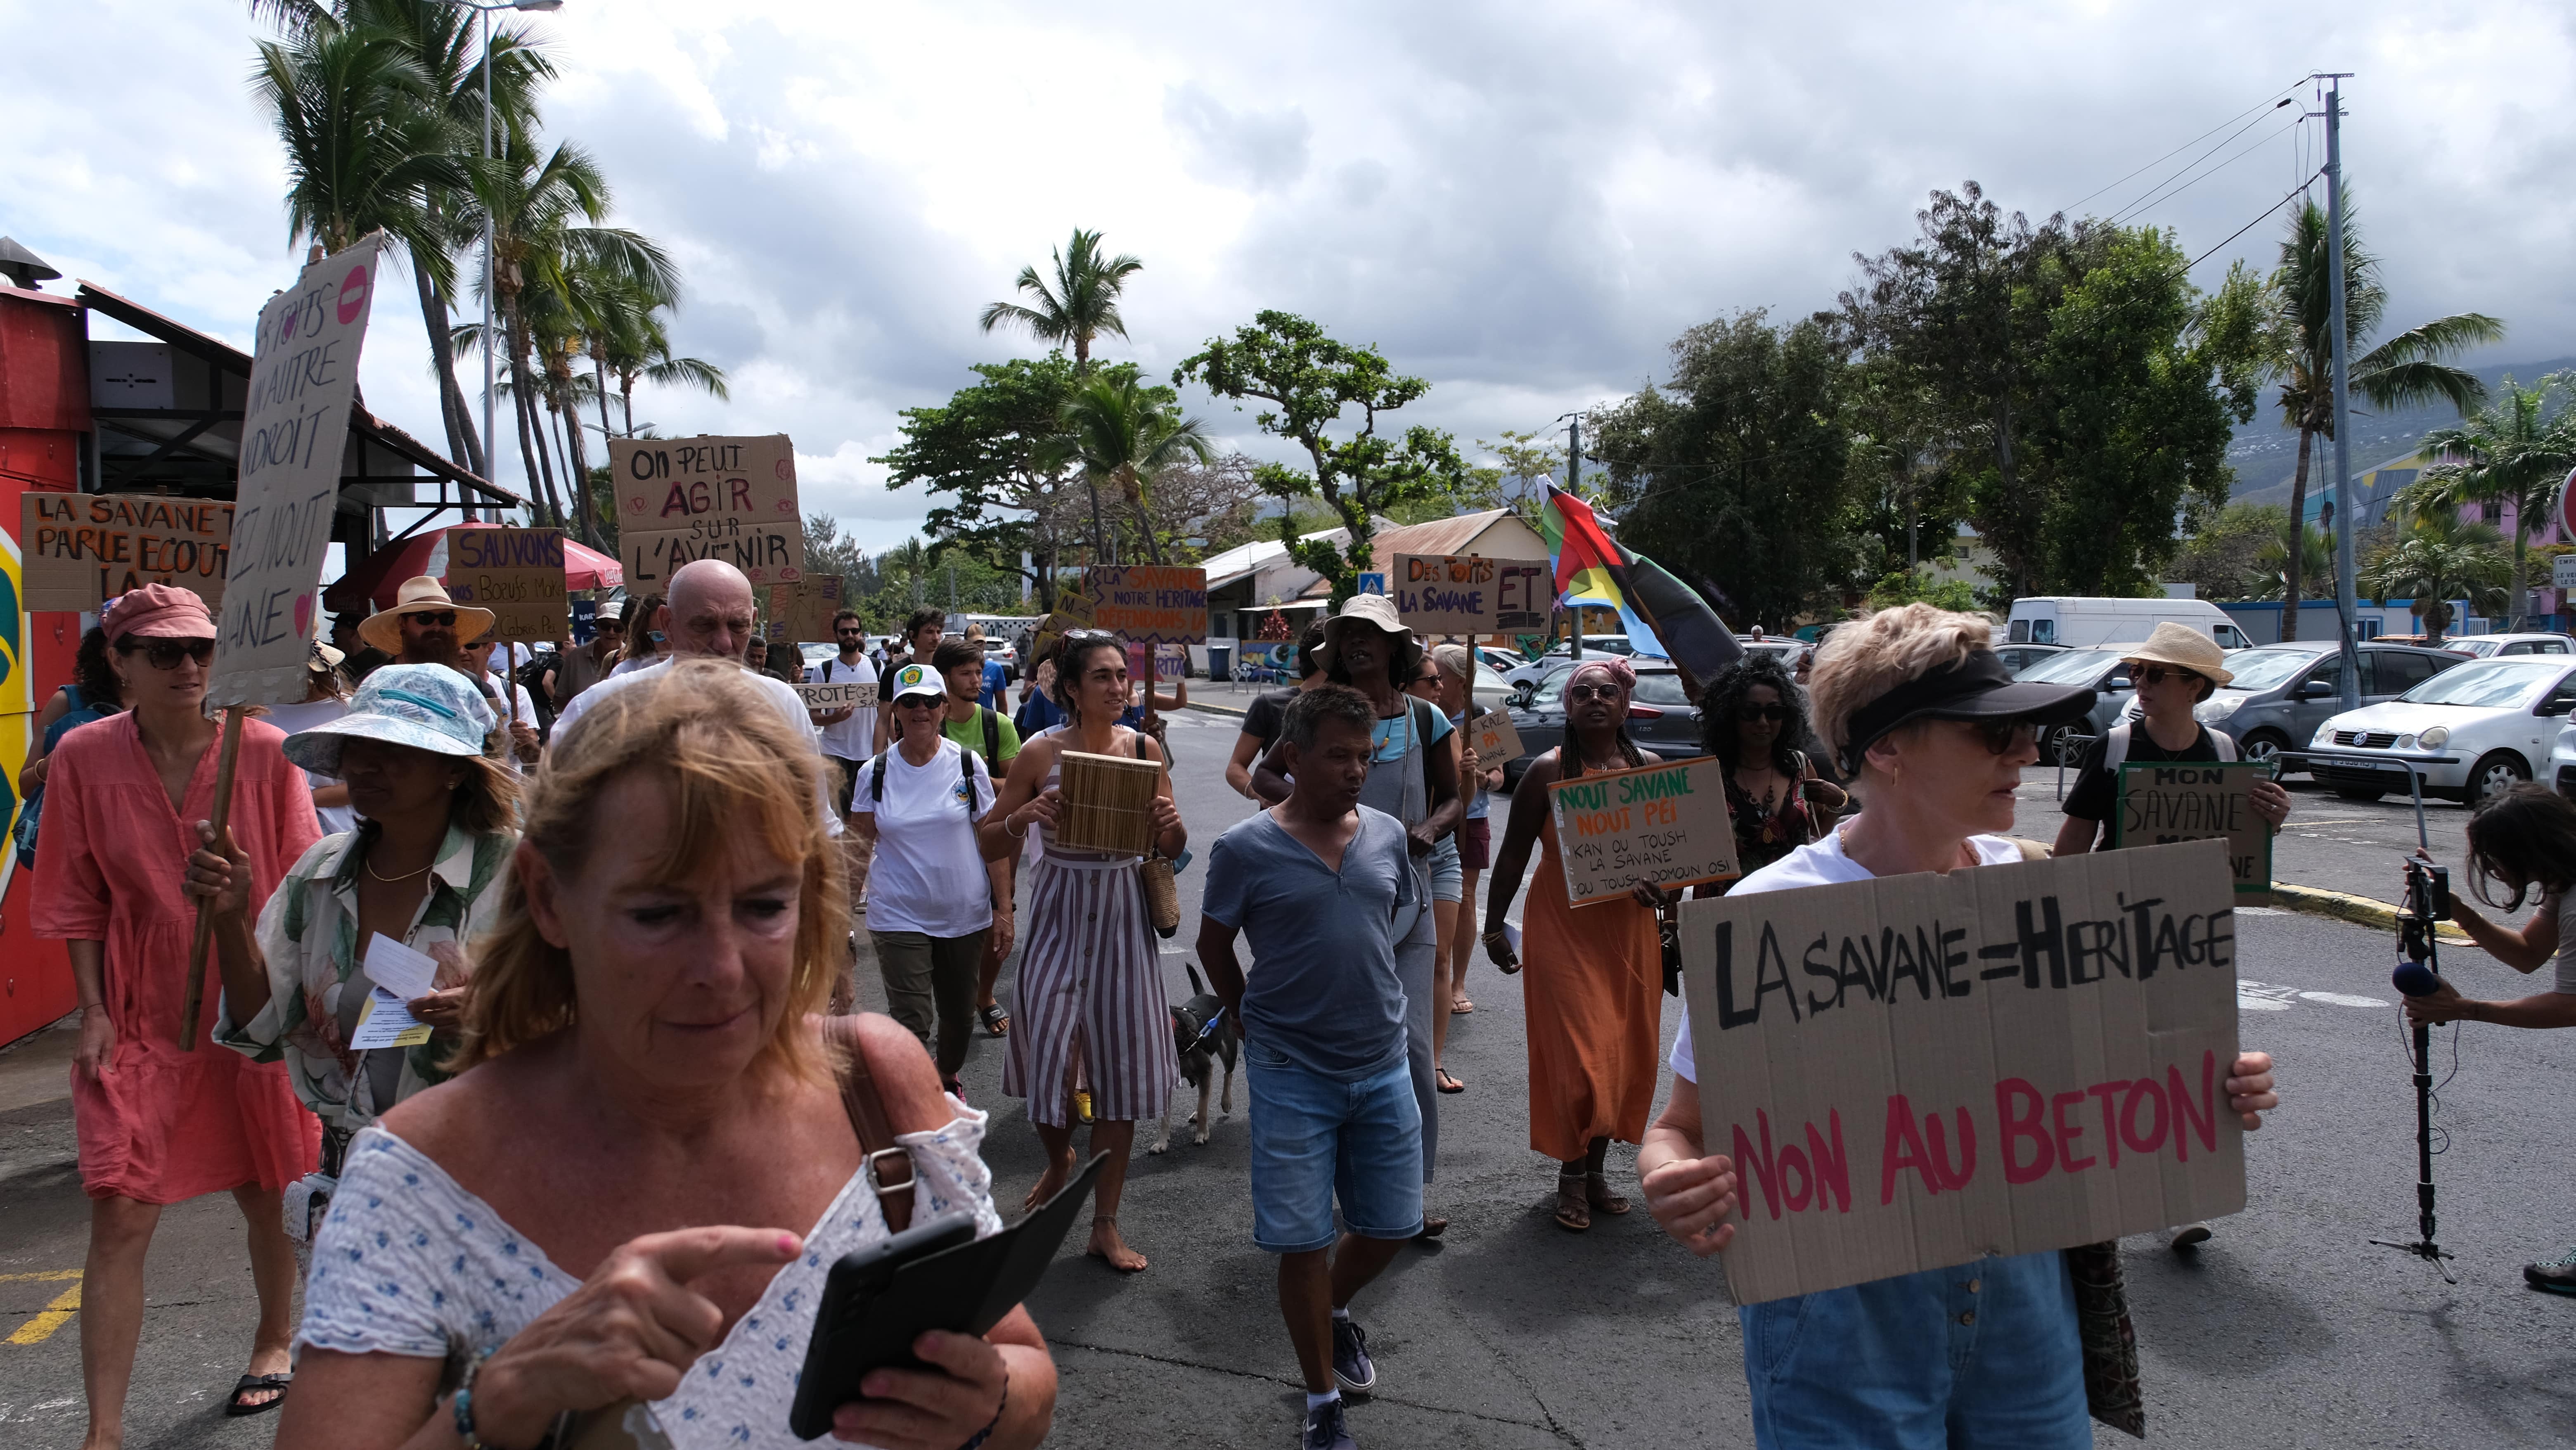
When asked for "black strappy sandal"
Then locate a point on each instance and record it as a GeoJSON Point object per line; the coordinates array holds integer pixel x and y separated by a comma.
{"type": "Point", "coordinates": [236, 1407]}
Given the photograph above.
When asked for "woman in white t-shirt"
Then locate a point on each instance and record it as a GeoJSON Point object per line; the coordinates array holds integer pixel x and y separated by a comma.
{"type": "Point", "coordinates": [930, 891]}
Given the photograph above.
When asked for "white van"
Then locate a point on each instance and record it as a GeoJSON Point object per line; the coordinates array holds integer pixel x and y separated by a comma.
{"type": "Point", "coordinates": [2079, 623]}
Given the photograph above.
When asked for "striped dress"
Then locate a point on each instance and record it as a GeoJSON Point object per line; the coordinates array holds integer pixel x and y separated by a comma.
{"type": "Point", "coordinates": [1089, 990]}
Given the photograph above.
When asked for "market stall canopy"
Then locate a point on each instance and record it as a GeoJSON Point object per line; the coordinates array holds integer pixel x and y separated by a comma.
{"type": "Point", "coordinates": [380, 577]}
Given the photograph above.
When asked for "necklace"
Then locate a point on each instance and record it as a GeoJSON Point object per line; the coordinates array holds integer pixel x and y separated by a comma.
{"type": "Point", "coordinates": [393, 880]}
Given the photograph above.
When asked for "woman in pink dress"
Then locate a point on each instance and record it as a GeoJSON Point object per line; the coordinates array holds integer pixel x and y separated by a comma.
{"type": "Point", "coordinates": [160, 1123]}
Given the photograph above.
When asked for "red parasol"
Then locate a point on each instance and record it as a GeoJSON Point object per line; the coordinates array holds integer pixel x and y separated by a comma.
{"type": "Point", "coordinates": [380, 577]}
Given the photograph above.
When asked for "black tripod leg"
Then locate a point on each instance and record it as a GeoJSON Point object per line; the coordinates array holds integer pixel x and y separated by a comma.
{"type": "Point", "coordinates": [2424, 1130]}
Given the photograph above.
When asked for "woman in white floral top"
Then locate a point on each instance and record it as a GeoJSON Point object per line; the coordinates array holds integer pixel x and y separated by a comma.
{"type": "Point", "coordinates": [423, 868]}
{"type": "Point", "coordinates": [627, 1200]}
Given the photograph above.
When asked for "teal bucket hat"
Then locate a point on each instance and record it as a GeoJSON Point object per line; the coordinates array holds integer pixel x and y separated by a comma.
{"type": "Point", "coordinates": [427, 707]}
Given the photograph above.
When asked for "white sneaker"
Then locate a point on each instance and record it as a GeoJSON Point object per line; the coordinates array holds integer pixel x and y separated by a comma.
{"type": "Point", "coordinates": [2188, 1236]}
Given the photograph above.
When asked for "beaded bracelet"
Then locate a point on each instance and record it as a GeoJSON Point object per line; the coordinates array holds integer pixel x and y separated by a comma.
{"type": "Point", "coordinates": [464, 1406]}
{"type": "Point", "coordinates": [996, 1423]}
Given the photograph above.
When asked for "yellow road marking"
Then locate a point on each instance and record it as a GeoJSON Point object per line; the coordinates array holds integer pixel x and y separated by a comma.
{"type": "Point", "coordinates": [56, 1315]}
{"type": "Point", "coordinates": [49, 1275]}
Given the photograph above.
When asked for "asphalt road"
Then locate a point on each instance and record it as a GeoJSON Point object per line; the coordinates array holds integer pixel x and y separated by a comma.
{"type": "Point", "coordinates": [2287, 1329]}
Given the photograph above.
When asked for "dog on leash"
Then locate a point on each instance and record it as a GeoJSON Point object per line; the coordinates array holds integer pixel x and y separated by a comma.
{"type": "Point", "coordinates": [1203, 1033]}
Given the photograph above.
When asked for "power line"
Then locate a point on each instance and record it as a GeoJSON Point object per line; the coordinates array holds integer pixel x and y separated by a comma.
{"type": "Point", "coordinates": [2162, 194]}
{"type": "Point", "coordinates": [2299, 190]}
{"type": "Point", "coordinates": [2270, 101]}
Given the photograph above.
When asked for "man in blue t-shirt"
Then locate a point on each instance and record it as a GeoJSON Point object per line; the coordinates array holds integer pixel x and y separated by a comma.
{"type": "Point", "coordinates": [1315, 882]}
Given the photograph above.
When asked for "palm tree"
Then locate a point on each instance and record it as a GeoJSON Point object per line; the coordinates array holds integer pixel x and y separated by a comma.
{"type": "Point", "coordinates": [628, 336]}
{"type": "Point", "coordinates": [2273, 559]}
{"type": "Point", "coordinates": [2509, 453]}
{"type": "Point", "coordinates": [2438, 559]}
{"type": "Point", "coordinates": [1123, 433]}
{"type": "Point", "coordinates": [1083, 303]}
{"type": "Point", "coordinates": [2407, 370]}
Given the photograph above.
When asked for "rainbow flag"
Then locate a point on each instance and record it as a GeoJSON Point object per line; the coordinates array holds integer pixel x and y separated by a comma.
{"type": "Point", "coordinates": [1663, 616]}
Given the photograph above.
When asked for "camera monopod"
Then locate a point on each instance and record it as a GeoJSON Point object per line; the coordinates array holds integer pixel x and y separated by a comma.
{"type": "Point", "coordinates": [2419, 973]}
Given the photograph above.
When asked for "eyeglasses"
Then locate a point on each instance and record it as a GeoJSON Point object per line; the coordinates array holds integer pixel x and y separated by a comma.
{"type": "Point", "coordinates": [1580, 693]}
{"type": "Point", "coordinates": [165, 654]}
{"type": "Point", "coordinates": [853, 630]}
{"type": "Point", "coordinates": [1750, 714]}
{"type": "Point", "coordinates": [614, 626]}
{"type": "Point", "coordinates": [2158, 674]}
{"type": "Point", "coordinates": [443, 618]}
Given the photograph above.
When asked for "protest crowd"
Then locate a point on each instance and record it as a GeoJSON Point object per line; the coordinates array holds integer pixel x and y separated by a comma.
{"type": "Point", "coordinates": [529, 1052]}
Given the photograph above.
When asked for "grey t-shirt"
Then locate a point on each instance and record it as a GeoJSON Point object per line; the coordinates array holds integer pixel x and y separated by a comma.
{"type": "Point", "coordinates": [1321, 989]}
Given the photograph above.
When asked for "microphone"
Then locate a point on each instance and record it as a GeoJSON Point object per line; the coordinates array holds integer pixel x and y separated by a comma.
{"type": "Point", "coordinates": [2415, 979]}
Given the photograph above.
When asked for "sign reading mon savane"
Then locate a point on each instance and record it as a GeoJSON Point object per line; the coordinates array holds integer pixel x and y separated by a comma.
{"type": "Point", "coordinates": [1917, 1071]}
{"type": "Point", "coordinates": [295, 437]}
{"type": "Point", "coordinates": [1665, 824]}
{"type": "Point", "coordinates": [2160, 804]}
{"type": "Point", "coordinates": [680, 499]}
{"type": "Point", "coordinates": [518, 574]}
{"type": "Point", "coordinates": [1471, 595]}
{"type": "Point", "coordinates": [83, 549]}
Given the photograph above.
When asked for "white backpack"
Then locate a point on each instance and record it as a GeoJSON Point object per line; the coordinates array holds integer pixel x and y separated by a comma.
{"type": "Point", "coordinates": [2115, 750]}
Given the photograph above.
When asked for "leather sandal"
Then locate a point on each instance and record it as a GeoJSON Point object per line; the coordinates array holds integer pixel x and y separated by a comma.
{"type": "Point", "coordinates": [1596, 1190]}
{"type": "Point", "coordinates": [1573, 1214]}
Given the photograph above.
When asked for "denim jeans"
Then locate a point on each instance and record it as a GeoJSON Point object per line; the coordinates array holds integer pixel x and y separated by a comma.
{"type": "Point", "coordinates": [1316, 1138]}
{"type": "Point", "coordinates": [1980, 1355]}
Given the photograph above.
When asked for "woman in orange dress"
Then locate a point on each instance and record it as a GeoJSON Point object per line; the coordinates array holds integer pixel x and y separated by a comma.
{"type": "Point", "coordinates": [1594, 991]}
{"type": "Point", "coordinates": [158, 1124]}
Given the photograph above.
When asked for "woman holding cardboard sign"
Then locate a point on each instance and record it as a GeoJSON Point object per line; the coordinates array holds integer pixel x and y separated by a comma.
{"type": "Point", "coordinates": [1934, 733]}
{"type": "Point", "coordinates": [1596, 979]}
{"type": "Point", "coordinates": [1090, 989]}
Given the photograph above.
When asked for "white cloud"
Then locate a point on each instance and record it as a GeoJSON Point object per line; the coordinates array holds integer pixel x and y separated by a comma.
{"type": "Point", "coordinates": [1523, 203]}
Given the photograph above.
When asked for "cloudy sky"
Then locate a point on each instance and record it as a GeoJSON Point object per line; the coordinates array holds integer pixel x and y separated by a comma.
{"type": "Point", "coordinates": [1523, 203]}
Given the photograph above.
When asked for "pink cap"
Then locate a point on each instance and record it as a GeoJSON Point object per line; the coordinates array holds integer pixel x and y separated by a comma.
{"type": "Point", "coordinates": [157, 611]}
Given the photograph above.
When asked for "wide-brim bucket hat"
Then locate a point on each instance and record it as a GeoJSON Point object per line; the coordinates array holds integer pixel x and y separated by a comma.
{"type": "Point", "coordinates": [1374, 611]}
{"type": "Point", "coordinates": [2170, 643]}
{"type": "Point", "coordinates": [426, 707]}
{"type": "Point", "coordinates": [421, 594]}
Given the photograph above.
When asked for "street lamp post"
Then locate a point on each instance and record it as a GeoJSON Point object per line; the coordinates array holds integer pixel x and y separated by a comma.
{"type": "Point", "coordinates": [483, 14]}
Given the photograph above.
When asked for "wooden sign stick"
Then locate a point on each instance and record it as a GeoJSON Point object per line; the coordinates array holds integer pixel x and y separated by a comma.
{"type": "Point", "coordinates": [222, 822]}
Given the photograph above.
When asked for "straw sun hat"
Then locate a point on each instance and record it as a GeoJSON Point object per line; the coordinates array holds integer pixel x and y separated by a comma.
{"type": "Point", "coordinates": [422, 594]}
{"type": "Point", "coordinates": [2180, 644]}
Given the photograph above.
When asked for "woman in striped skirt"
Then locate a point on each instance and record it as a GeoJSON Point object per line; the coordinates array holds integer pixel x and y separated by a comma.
{"type": "Point", "coordinates": [1090, 991]}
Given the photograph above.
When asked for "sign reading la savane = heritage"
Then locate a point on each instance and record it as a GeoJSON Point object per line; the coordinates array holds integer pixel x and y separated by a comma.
{"type": "Point", "coordinates": [1918, 1071]}
{"type": "Point", "coordinates": [83, 549]}
{"type": "Point", "coordinates": [1469, 594]}
{"type": "Point", "coordinates": [1665, 824]}
{"type": "Point", "coordinates": [680, 499]}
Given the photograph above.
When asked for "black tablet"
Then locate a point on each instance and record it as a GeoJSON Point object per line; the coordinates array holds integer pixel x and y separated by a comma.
{"type": "Point", "coordinates": [936, 1275]}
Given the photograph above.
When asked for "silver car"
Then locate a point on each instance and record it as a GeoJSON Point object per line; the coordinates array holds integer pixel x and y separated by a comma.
{"type": "Point", "coordinates": [2283, 692]}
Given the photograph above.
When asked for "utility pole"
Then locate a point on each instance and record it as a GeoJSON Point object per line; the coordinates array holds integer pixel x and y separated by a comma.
{"type": "Point", "coordinates": [2346, 516]}
{"type": "Point", "coordinates": [1574, 485]}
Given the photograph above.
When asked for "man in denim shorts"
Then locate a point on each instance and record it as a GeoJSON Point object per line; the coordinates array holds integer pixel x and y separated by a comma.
{"type": "Point", "coordinates": [1315, 881]}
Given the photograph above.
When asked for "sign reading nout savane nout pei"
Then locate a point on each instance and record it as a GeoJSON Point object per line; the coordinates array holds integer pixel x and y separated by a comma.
{"type": "Point", "coordinates": [683, 499]}
{"type": "Point", "coordinates": [1919, 1071]}
{"type": "Point", "coordinates": [1665, 824]}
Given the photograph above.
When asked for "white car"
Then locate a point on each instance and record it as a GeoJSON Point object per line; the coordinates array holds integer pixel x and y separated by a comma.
{"type": "Point", "coordinates": [2474, 730]}
{"type": "Point", "coordinates": [2493, 646]}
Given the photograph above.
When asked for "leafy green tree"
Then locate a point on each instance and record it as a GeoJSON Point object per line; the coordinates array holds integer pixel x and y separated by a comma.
{"type": "Point", "coordinates": [1082, 303]}
{"type": "Point", "coordinates": [2222, 557]}
{"type": "Point", "coordinates": [2436, 560]}
{"type": "Point", "coordinates": [995, 451]}
{"type": "Point", "coordinates": [2511, 452]}
{"type": "Point", "coordinates": [2308, 544]}
{"type": "Point", "coordinates": [1910, 586]}
{"type": "Point", "coordinates": [2408, 370]}
{"type": "Point", "coordinates": [1123, 433]}
{"type": "Point", "coordinates": [1903, 460]}
{"type": "Point", "coordinates": [1309, 380]}
{"type": "Point", "coordinates": [1736, 468]}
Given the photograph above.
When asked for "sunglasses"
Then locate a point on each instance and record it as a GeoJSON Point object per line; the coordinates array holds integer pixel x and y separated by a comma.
{"type": "Point", "coordinates": [2003, 737]}
{"type": "Point", "coordinates": [165, 654]}
{"type": "Point", "coordinates": [2158, 674]}
{"type": "Point", "coordinates": [1580, 693]}
{"type": "Point", "coordinates": [616, 624]}
{"type": "Point", "coordinates": [849, 631]}
{"type": "Point", "coordinates": [440, 618]}
{"type": "Point", "coordinates": [1090, 634]}
{"type": "Point", "coordinates": [1776, 714]}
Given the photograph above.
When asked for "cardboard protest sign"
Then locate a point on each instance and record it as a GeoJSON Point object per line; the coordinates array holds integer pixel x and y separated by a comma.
{"type": "Point", "coordinates": [83, 549]}
{"type": "Point", "coordinates": [680, 499]}
{"type": "Point", "coordinates": [1468, 594]}
{"type": "Point", "coordinates": [802, 611]}
{"type": "Point", "coordinates": [2162, 803]}
{"type": "Point", "coordinates": [295, 435]}
{"type": "Point", "coordinates": [1917, 1071]}
{"type": "Point", "coordinates": [1156, 603]}
{"type": "Point", "coordinates": [840, 695]}
{"type": "Point", "coordinates": [518, 574]}
{"type": "Point", "coordinates": [1666, 824]}
{"type": "Point", "coordinates": [1494, 740]}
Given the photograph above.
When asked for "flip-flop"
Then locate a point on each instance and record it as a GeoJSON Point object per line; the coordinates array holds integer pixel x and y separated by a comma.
{"type": "Point", "coordinates": [236, 1407]}
{"type": "Point", "coordinates": [996, 1021]}
{"type": "Point", "coordinates": [1461, 1007]}
{"type": "Point", "coordinates": [1448, 1083]}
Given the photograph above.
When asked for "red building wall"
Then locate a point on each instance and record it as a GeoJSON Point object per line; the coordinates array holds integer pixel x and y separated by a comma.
{"type": "Point", "coordinates": [44, 424]}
